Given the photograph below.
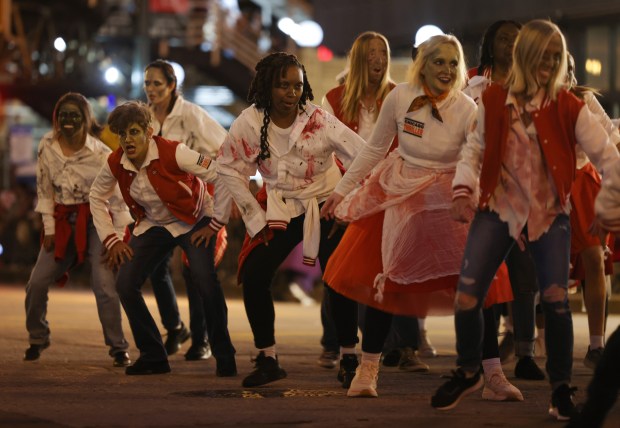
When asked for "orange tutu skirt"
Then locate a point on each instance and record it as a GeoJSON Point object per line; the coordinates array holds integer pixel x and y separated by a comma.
{"type": "Point", "coordinates": [355, 263]}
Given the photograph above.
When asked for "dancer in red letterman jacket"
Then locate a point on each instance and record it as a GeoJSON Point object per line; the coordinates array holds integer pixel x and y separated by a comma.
{"type": "Point", "coordinates": [69, 159]}
{"type": "Point", "coordinates": [163, 183]}
{"type": "Point", "coordinates": [292, 143]}
{"type": "Point", "coordinates": [522, 153]}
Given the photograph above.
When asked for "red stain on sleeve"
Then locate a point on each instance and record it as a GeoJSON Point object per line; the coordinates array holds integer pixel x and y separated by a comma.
{"type": "Point", "coordinates": [313, 125]}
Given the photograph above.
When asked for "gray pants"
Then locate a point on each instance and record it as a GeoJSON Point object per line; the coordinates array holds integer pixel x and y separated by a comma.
{"type": "Point", "coordinates": [45, 273]}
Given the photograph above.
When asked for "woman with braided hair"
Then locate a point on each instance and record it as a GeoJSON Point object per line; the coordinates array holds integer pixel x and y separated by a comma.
{"type": "Point", "coordinates": [292, 144]}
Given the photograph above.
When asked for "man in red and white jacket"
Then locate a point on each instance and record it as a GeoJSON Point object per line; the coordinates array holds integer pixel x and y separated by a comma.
{"type": "Point", "coordinates": [164, 184]}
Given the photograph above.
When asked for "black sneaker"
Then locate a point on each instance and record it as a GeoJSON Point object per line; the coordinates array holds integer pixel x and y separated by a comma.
{"type": "Point", "coordinates": [592, 357]}
{"type": "Point", "coordinates": [392, 358]}
{"type": "Point", "coordinates": [34, 352]}
{"type": "Point", "coordinates": [562, 406]}
{"type": "Point", "coordinates": [141, 367]}
{"type": "Point", "coordinates": [225, 367]}
{"type": "Point", "coordinates": [198, 351]}
{"type": "Point", "coordinates": [450, 393]}
{"type": "Point", "coordinates": [266, 370]}
{"type": "Point", "coordinates": [526, 368]}
{"type": "Point", "coordinates": [121, 359]}
{"type": "Point", "coordinates": [346, 373]}
{"type": "Point", "coordinates": [175, 339]}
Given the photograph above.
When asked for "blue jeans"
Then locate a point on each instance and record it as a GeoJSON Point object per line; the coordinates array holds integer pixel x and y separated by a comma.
{"type": "Point", "coordinates": [149, 250]}
{"type": "Point", "coordinates": [45, 273]}
{"type": "Point", "coordinates": [488, 244]}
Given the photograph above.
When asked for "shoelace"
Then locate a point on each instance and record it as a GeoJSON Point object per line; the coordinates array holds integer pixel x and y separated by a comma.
{"type": "Point", "coordinates": [367, 372]}
{"type": "Point", "coordinates": [498, 379]}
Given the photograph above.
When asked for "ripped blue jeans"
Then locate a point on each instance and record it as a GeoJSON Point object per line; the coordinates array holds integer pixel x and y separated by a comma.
{"type": "Point", "coordinates": [488, 244]}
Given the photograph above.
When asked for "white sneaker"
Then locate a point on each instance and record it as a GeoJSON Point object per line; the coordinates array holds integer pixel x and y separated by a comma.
{"type": "Point", "coordinates": [364, 384]}
{"type": "Point", "coordinates": [497, 388]}
{"type": "Point", "coordinates": [426, 348]}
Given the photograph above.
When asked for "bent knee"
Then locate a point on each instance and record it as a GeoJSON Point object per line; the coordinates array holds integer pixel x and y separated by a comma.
{"type": "Point", "coordinates": [556, 296]}
{"type": "Point", "coordinates": [465, 302]}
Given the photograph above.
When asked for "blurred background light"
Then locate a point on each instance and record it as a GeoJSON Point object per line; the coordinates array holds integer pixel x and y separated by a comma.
{"type": "Point", "coordinates": [426, 32]}
{"type": "Point", "coordinates": [112, 75]}
{"type": "Point", "coordinates": [59, 44]}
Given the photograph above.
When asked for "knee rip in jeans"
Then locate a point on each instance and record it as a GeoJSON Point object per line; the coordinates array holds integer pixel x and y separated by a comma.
{"type": "Point", "coordinates": [555, 295]}
{"type": "Point", "coordinates": [465, 302]}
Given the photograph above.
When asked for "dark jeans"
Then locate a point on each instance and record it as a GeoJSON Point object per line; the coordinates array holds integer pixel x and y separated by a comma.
{"type": "Point", "coordinates": [166, 299]}
{"type": "Point", "coordinates": [488, 244]}
{"type": "Point", "coordinates": [149, 250]}
{"type": "Point", "coordinates": [522, 273]}
{"type": "Point", "coordinates": [260, 267]}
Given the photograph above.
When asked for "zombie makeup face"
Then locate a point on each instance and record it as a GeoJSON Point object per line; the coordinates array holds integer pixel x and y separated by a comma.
{"type": "Point", "coordinates": [70, 119]}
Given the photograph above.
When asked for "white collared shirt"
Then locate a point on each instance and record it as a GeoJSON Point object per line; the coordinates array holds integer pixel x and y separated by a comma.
{"type": "Point", "coordinates": [142, 191]}
{"type": "Point", "coordinates": [66, 180]}
{"type": "Point", "coordinates": [313, 139]}
{"type": "Point", "coordinates": [189, 124]}
{"type": "Point", "coordinates": [423, 141]}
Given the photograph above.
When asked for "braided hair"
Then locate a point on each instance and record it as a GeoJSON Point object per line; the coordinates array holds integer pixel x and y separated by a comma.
{"type": "Point", "coordinates": [268, 71]}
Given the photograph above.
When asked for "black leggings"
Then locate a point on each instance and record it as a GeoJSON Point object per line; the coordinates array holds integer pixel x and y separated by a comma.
{"type": "Point", "coordinates": [260, 267]}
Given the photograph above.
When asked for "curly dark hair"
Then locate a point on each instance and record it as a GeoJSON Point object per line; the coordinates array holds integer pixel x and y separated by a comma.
{"type": "Point", "coordinates": [166, 68]}
{"type": "Point", "coordinates": [128, 113]}
{"type": "Point", "coordinates": [90, 122]}
{"type": "Point", "coordinates": [486, 46]}
{"type": "Point", "coordinates": [268, 71]}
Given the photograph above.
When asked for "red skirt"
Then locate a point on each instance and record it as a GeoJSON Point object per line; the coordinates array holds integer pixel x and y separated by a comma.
{"type": "Point", "coordinates": [355, 263]}
{"type": "Point", "coordinates": [585, 188]}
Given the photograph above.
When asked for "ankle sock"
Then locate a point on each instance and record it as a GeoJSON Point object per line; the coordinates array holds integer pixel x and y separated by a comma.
{"type": "Point", "coordinates": [269, 351]}
{"type": "Point", "coordinates": [371, 356]}
{"type": "Point", "coordinates": [490, 366]}
{"type": "Point", "coordinates": [347, 350]}
{"type": "Point", "coordinates": [597, 342]}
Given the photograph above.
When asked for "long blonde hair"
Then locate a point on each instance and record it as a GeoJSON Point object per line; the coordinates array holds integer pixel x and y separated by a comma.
{"type": "Point", "coordinates": [356, 81]}
{"type": "Point", "coordinates": [529, 49]}
{"type": "Point", "coordinates": [426, 50]}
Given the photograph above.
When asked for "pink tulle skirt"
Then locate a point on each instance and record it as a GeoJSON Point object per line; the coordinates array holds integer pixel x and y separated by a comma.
{"type": "Point", "coordinates": [402, 252]}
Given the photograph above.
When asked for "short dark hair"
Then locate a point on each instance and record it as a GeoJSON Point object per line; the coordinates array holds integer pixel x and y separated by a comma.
{"type": "Point", "coordinates": [128, 113]}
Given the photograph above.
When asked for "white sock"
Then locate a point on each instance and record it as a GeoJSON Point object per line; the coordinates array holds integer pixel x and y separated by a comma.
{"type": "Point", "coordinates": [347, 350]}
{"type": "Point", "coordinates": [422, 324]}
{"type": "Point", "coordinates": [490, 366]}
{"type": "Point", "coordinates": [269, 351]}
{"type": "Point", "coordinates": [597, 342]}
{"type": "Point", "coordinates": [370, 356]}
